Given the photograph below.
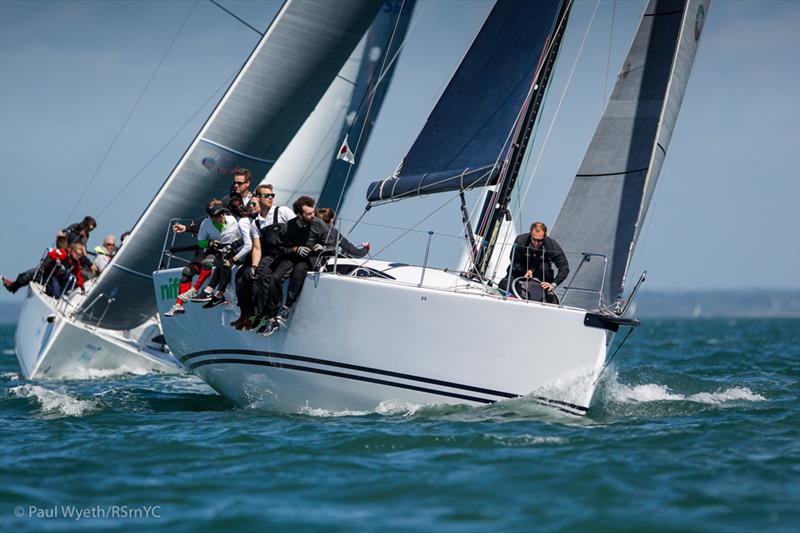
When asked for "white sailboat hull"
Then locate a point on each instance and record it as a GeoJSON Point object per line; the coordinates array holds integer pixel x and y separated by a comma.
{"type": "Point", "coordinates": [52, 345]}
{"type": "Point", "coordinates": [354, 342]}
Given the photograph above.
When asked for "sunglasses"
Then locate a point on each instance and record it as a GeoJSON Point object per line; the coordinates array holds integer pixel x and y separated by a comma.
{"type": "Point", "coordinates": [267, 195]}
{"type": "Point", "coordinates": [238, 183]}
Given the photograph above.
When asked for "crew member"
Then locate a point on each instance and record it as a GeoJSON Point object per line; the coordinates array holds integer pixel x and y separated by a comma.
{"type": "Point", "coordinates": [534, 256]}
{"type": "Point", "coordinates": [300, 238]}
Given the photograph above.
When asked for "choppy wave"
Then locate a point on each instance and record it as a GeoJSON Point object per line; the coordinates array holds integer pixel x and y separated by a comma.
{"type": "Point", "coordinates": [524, 440]}
{"type": "Point", "coordinates": [616, 391]}
{"type": "Point", "coordinates": [54, 402]}
{"type": "Point", "coordinates": [83, 373]}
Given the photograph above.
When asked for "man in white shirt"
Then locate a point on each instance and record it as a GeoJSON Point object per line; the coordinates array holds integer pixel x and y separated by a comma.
{"type": "Point", "coordinates": [268, 223]}
{"type": "Point", "coordinates": [217, 234]}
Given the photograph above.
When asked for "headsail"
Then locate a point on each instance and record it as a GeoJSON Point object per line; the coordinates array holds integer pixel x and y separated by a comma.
{"type": "Point", "coordinates": [605, 208]}
{"type": "Point", "coordinates": [278, 87]}
{"type": "Point", "coordinates": [470, 127]}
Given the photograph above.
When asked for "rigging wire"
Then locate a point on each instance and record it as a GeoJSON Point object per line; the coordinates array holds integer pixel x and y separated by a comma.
{"type": "Point", "coordinates": [610, 41]}
{"type": "Point", "coordinates": [370, 96]}
{"type": "Point", "coordinates": [560, 102]}
{"type": "Point", "coordinates": [130, 113]}
{"type": "Point", "coordinates": [166, 144]}
{"type": "Point", "coordinates": [234, 15]}
{"type": "Point", "coordinates": [619, 347]}
{"type": "Point", "coordinates": [408, 230]}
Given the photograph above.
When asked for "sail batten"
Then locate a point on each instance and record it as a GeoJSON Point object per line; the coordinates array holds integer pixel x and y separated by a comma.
{"type": "Point", "coordinates": [275, 91]}
{"type": "Point", "coordinates": [471, 125]}
{"type": "Point", "coordinates": [608, 201]}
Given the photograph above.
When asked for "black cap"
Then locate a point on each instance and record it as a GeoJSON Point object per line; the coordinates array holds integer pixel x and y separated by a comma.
{"type": "Point", "coordinates": [216, 210]}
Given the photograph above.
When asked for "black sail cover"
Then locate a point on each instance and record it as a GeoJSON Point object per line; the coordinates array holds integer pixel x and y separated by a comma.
{"type": "Point", "coordinates": [606, 205]}
{"type": "Point", "coordinates": [461, 144]}
{"type": "Point", "coordinates": [275, 91]}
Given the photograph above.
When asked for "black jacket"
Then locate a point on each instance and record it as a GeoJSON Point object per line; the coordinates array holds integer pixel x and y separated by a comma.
{"type": "Point", "coordinates": [541, 261]}
{"type": "Point", "coordinates": [296, 233]}
{"type": "Point", "coordinates": [346, 248]}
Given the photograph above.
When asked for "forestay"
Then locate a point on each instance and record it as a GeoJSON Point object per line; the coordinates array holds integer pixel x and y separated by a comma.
{"type": "Point", "coordinates": [462, 143]}
{"type": "Point", "coordinates": [273, 94]}
{"type": "Point", "coordinates": [608, 200]}
{"type": "Point", "coordinates": [383, 43]}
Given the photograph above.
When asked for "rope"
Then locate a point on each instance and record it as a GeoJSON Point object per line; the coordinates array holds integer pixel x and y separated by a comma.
{"type": "Point", "coordinates": [234, 15]}
{"type": "Point", "coordinates": [130, 114]}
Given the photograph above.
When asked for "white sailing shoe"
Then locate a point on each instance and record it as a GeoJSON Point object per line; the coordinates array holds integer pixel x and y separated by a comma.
{"type": "Point", "coordinates": [176, 309]}
{"type": "Point", "coordinates": [188, 295]}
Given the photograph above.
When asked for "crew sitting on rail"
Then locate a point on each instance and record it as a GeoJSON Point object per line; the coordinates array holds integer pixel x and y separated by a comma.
{"type": "Point", "coordinates": [64, 270]}
{"type": "Point", "coordinates": [300, 238]}
{"type": "Point", "coordinates": [218, 235]}
{"type": "Point", "coordinates": [104, 253]}
{"type": "Point", "coordinates": [248, 258]}
{"type": "Point", "coordinates": [80, 232]}
{"type": "Point", "coordinates": [333, 237]}
{"type": "Point", "coordinates": [59, 253]}
{"type": "Point", "coordinates": [533, 256]}
{"type": "Point", "coordinates": [269, 222]}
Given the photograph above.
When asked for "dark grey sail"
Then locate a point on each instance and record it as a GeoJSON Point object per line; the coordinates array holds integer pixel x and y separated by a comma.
{"type": "Point", "coordinates": [464, 141]}
{"type": "Point", "coordinates": [605, 208]}
{"type": "Point", "coordinates": [280, 84]}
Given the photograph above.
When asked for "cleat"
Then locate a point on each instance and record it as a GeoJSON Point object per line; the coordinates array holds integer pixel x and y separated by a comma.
{"type": "Point", "coordinates": [272, 326]}
{"type": "Point", "coordinates": [188, 295]}
{"type": "Point", "coordinates": [214, 301]}
{"type": "Point", "coordinates": [176, 309]}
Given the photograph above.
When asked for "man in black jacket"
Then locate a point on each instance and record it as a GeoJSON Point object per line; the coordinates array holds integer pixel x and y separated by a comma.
{"type": "Point", "coordinates": [533, 256]}
{"type": "Point", "coordinates": [300, 238]}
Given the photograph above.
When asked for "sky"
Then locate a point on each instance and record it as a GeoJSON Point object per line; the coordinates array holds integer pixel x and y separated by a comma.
{"type": "Point", "coordinates": [726, 212]}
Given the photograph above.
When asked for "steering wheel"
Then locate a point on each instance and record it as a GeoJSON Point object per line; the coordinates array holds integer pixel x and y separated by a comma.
{"type": "Point", "coordinates": [514, 285]}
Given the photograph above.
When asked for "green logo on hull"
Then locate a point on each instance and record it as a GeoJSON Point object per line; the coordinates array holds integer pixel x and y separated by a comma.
{"type": "Point", "coordinates": [169, 290]}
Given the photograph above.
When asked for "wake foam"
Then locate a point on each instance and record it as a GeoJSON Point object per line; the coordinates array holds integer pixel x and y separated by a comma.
{"type": "Point", "coordinates": [324, 413]}
{"type": "Point", "coordinates": [83, 373]}
{"type": "Point", "coordinates": [54, 402]}
{"type": "Point", "coordinates": [616, 392]}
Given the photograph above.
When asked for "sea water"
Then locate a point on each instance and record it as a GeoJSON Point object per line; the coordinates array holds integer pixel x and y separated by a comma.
{"type": "Point", "coordinates": [695, 426]}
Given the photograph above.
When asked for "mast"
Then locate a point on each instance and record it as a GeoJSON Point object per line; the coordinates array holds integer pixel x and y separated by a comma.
{"type": "Point", "coordinates": [497, 210]}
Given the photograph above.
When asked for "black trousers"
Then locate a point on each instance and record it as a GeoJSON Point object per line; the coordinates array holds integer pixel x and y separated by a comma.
{"type": "Point", "coordinates": [23, 279]}
{"type": "Point", "coordinates": [260, 289]}
{"type": "Point", "coordinates": [245, 291]}
{"type": "Point", "coordinates": [293, 267]}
